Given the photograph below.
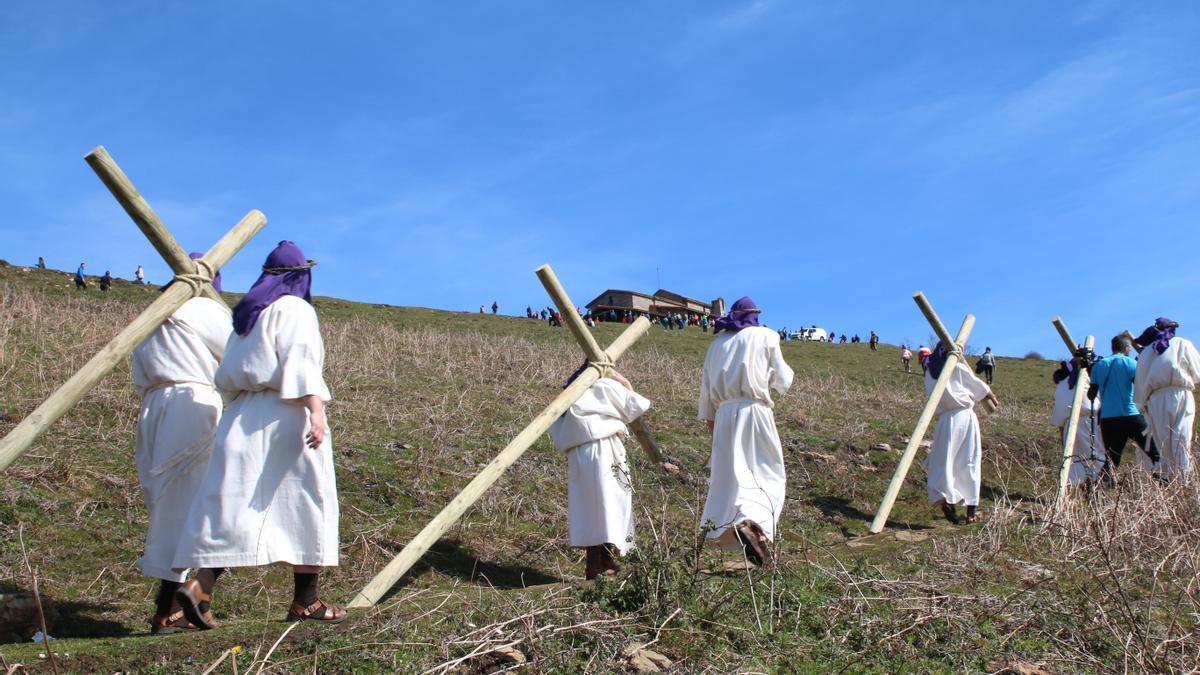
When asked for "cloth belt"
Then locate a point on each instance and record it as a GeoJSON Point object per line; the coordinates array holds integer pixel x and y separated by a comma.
{"type": "Point", "coordinates": [742, 400]}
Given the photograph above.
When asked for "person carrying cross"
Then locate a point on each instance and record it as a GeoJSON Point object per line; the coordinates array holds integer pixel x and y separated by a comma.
{"type": "Point", "coordinates": [1088, 454]}
{"type": "Point", "coordinates": [173, 371]}
{"type": "Point", "coordinates": [747, 481]}
{"type": "Point", "coordinates": [955, 461]}
{"type": "Point", "coordinates": [599, 491]}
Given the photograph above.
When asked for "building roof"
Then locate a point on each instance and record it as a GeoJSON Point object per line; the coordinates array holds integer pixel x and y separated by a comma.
{"type": "Point", "coordinates": [663, 291]}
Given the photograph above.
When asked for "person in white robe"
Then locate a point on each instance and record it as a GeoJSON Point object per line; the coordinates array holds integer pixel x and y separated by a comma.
{"type": "Point", "coordinates": [1167, 371]}
{"type": "Point", "coordinates": [599, 490]}
{"type": "Point", "coordinates": [270, 494]}
{"type": "Point", "coordinates": [747, 480]}
{"type": "Point", "coordinates": [173, 370]}
{"type": "Point", "coordinates": [1088, 456]}
{"type": "Point", "coordinates": [954, 465]}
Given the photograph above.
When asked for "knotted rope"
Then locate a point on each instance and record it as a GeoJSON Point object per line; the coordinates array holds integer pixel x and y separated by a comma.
{"type": "Point", "coordinates": [203, 274]}
{"type": "Point", "coordinates": [604, 365]}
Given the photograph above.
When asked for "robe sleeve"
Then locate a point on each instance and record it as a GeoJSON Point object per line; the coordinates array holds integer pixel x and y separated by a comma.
{"type": "Point", "coordinates": [976, 387]}
{"type": "Point", "coordinates": [1061, 412]}
{"type": "Point", "coordinates": [301, 353]}
{"type": "Point", "coordinates": [781, 372]}
{"type": "Point", "coordinates": [706, 411]}
{"type": "Point", "coordinates": [215, 328]}
{"type": "Point", "coordinates": [1190, 359]}
{"type": "Point", "coordinates": [1141, 392]}
{"type": "Point", "coordinates": [635, 405]}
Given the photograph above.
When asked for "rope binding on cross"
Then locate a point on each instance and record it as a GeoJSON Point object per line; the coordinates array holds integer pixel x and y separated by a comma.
{"type": "Point", "coordinates": [604, 365]}
{"type": "Point", "coordinates": [203, 274]}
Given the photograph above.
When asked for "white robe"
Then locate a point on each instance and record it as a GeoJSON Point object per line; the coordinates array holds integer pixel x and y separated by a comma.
{"type": "Point", "coordinates": [599, 492]}
{"type": "Point", "coordinates": [173, 373]}
{"type": "Point", "coordinates": [1162, 390]}
{"type": "Point", "coordinates": [1088, 454]}
{"type": "Point", "coordinates": [747, 479]}
{"type": "Point", "coordinates": [267, 497]}
{"type": "Point", "coordinates": [954, 463]}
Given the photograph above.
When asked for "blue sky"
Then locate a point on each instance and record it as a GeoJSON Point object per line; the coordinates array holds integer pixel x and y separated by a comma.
{"type": "Point", "coordinates": [1016, 160]}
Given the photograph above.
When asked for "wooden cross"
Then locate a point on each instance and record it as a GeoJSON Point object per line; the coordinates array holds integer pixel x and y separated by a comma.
{"type": "Point", "coordinates": [1076, 409]}
{"type": "Point", "coordinates": [194, 277]}
{"type": "Point", "coordinates": [427, 537]}
{"type": "Point", "coordinates": [914, 442]}
{"type": "Point", "coordinates": [593, 353]}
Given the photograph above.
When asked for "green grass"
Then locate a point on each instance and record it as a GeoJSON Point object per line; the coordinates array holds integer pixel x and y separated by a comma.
{"type": "Point", "coordinates": [424, 398]}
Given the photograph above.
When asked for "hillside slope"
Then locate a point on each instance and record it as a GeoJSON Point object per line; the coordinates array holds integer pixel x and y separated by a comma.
{"type": "Point", "coordinates": [424, 398]}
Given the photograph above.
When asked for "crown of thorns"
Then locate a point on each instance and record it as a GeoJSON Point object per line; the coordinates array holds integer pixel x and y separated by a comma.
{"type": "Point", "coordinates": [293, 268]}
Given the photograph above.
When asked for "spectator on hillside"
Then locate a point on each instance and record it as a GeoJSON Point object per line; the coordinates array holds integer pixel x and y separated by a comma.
{"type": "Point", "coordinates": [139, 277]}
{"type": "Point", "coordinates": [986, 364]}
{"type": "Point", "coordinates": [1113, 381]}
{"type": "Point", "coordinates": [106, 281]}
{"type": "Point", "coordinates": [495, 307]}
{"type": "Point", "coordinates": [80, 280]}
{"type": "Point", "coordinates": [41, 263]}
{"type": "Point", "coordinates": [906, 358]}
{"type": "Point", "coordinates": [1167, 371]}
{"type": "Point", "coordinates": [482, 309]}
{"type": "Point", "coordinates": [842, 341]}
{"type": "Point", "coordinates": [528, 312]}
{"type": "Point", "coordinates": [923, 353]}
{"type": "Point", "coordinates": [704, 323]}
{"type": "Point", "coordinates": [874, 342]}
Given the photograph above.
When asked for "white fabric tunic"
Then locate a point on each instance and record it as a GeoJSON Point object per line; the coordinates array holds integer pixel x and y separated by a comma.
{"type": "Point", "coordinates": [954, 462]}
{"type": "Point", "coordinates": [599, 492]}
{"type": "Point", "coordinates": [267, 497]}
{"type": "Point", "coordinates": [173, 373]}
{"type": "Point", "coordinates": [1162, 390]}
{"type": "Point", "coordinates": [747, 479]}
{"type": "Point", "coordinates": [1088, 455]}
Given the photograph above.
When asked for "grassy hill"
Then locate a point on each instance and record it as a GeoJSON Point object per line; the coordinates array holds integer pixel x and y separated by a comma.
{"type": "Point", "coordinates": [424, 398]}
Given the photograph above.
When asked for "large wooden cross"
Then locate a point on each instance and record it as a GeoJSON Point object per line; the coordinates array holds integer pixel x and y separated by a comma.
{"type": "Point", "coordinates": [1076, 408]}
{"type": "Point", "coordinates": [599, 360]}
{"type": "Point", "coordinates": [914, 441]}
{"type": "Point", "coordinates": [193, 277]}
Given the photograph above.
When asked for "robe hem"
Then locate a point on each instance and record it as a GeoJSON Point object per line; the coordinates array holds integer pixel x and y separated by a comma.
{"type": "Point", "coordinates": [238, 560]}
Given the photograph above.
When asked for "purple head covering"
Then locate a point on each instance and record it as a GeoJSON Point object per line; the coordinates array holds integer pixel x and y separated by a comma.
{"type": "Point", "coordinates": [1067, 370]}
{"type": "Point", "coordinates": [575, 375]}
{"type": "Point", "coordinates": [743, 314]}
{"type": "Point", "coordinates": [937, 360]}
{"type": "Point", "coordinates": [286, 272]}
{"type": "Point", "coordinates": [1159, 334]}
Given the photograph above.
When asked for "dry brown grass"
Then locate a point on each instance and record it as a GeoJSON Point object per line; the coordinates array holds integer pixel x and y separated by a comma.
{"type": "Point", "coordinates": [423, 399]}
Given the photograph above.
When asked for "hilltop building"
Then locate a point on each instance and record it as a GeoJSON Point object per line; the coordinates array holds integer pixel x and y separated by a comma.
{"type": "Point", "coordinates": [661, 303]}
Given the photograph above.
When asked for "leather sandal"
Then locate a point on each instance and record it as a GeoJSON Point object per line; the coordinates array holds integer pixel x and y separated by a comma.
{"type": "Point", "coordinates": [972, 516]}
{"type": "Point", "coordinates": [754, 543]}
{"type": "Point", "coordinates": [607, 562]}
{"type": "Point", "coordinates": [318, 611]}
{"type": "Point", "coordinates": [190, 595]}
{"type": "Point", "coordinates": [950, 513]}
{"type": "Point", "coordinates": [168, 625]}
{"type": "Point", "coordinates": [591, 568]}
